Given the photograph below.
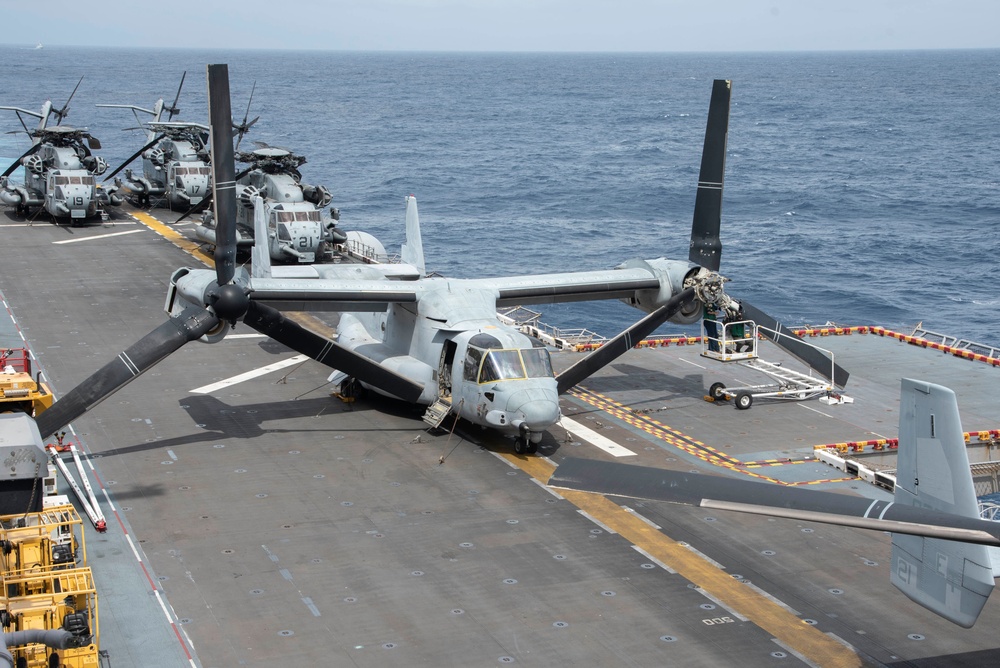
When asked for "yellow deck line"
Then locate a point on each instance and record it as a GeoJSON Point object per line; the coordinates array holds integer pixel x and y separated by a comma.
{"type": "Point", "coordinates": [769, 616]}
{"type": "Point", "coordinates": [173, 236]}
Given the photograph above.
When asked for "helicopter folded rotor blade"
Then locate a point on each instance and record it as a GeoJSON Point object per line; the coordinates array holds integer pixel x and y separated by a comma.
{"type": "Point", "coordinates": [60, 114]}
{"type": "Point", "coordinates": [17, 163]}
{"type": "Point", "coordinates": [131, 158]}
{"type": "Point", "coordinates": [173, 108]}
{"type": "Point", "coordinates": [274, 324]}
{"type": "Point", "coordinates": [129, 365]}
{"type": "Point", "coordinates": [787, 339]}
{"type": "Point", "coordinates": [619, 345]}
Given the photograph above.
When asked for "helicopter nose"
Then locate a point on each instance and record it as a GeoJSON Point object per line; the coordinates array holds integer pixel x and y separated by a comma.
{"type": "Point", "coordinates": [538, 406]}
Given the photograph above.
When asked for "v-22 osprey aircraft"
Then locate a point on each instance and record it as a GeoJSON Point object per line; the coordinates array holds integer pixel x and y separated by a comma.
{"type": "Point", "coordinates": [428, 339]}
{"type": "Point", "coordinates": [59, 169]}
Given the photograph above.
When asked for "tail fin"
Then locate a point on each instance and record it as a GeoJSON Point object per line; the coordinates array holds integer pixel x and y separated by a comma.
{"type": "Point", "coordinates": [950, 578]}
{"type": "Point", "coordinates": [412, 251]}
{"type": "Point", "coordinates": [261, 255]}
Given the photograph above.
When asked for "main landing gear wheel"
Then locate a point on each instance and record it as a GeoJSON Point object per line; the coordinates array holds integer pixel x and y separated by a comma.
{"type": "Point", "coordinates": [744, 400]}
{"type": "Point", "coordinates": [716, 392]}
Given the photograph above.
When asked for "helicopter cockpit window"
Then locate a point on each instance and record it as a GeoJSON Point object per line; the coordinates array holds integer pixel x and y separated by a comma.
{"type": "Point", "coordinates": [87, 180]}
{"type": "Point", "coordinates": [501, 365]}
{"type": "Point", "coordinates": [75, 180]}
{"type": "Point", "coordinates": [62, 180]}
{"type": "Point", "coordinates": [180, 171]}
{"type": "Point", "coordinates": [470, 369]}
{"type": "Point", "coordinates": [537, 363]}
{"type": "Point", "coordinates": [207, 171]}
{"type": "Point", "coordinates": [307, 215]}
{"type": "Point", "coordinates": [283, 233]}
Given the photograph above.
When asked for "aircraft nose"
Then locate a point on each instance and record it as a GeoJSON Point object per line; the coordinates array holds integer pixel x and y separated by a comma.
{"type": "Point", "coordinates": [538, 406]}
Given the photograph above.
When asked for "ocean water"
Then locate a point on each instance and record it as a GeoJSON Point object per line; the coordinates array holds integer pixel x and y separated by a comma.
{"type": "Point", "coordinates": [861, 188]}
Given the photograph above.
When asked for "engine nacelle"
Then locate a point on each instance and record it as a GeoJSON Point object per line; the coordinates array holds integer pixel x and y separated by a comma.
{"type": "Point", "coordinates": [34, 164]}
{"type": "Point", "coordinates": [189, 289]}
{"type": "Point", "coordinates": [671, 274]}
{"type": "Point", "coordinates": [248, 194]}
{"type": "Point", "coordinates": [95, 164]}
{"type": "Point", "coordinates": [157, 156]}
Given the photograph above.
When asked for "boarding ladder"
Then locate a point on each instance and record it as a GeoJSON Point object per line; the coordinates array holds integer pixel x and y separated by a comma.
{"type": "Point", "coordinates": [438, 411]}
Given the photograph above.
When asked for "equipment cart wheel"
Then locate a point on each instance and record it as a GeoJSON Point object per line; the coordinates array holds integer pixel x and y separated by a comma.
{"type": "Point", "coordinates": [744, 400]}
{"type": "Point", "coordinates": [717, 393]}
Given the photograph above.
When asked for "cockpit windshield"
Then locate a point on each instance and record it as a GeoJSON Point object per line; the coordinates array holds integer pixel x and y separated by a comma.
{"type": "Point", "coordinates": [515, 364]}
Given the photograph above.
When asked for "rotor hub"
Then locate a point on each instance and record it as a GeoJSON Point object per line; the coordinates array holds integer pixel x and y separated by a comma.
{"type": "Point", "coordinates": [230, 302]}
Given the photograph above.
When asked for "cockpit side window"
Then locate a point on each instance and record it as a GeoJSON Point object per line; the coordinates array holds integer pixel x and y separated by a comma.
{"type": "Point", "coordinates": [537, 363]}
{"type": "Point", "coordinates": [470, 369]}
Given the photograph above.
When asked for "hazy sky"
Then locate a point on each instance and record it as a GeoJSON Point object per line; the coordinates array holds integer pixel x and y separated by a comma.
{"type": "Point", "coordinates": [509, 25]}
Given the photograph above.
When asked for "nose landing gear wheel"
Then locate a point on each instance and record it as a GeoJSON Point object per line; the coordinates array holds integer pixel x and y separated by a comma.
{"type": "Point", "coordinates": [524, 446]}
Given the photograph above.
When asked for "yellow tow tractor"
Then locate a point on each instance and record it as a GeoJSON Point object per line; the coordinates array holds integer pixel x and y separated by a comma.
{"type": "Point", "coordinates": [19, 391]}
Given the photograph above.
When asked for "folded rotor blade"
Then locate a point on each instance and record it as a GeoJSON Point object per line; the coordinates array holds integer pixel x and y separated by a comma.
{"type": "Point", "coordinates": [787, 339]}
{"type": "Point", "coordinates": [131, 158]}
{"type": "Point", "coordinates": [618, 346]}
{"type": "Point", "coordinates": [150, 349]}
{"type": "Point", "coordinates": [17, 163]}
{"type": "Point", "coordinates": [173, 108]}
{"type": "Point", "coordinates": [271, 322]}
{"type": "Point", "coordinates": [706, 248]}
{"type": "Point", "coordinates": [60, 114]}
{"type": "Point", "coordinates": [223, 172]}
{"type": "Point", "coordinates": [722, 493]}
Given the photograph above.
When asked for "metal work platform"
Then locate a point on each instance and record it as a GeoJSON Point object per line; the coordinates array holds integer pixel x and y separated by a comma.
{"type": "Point", "coordinates": [739, 342]}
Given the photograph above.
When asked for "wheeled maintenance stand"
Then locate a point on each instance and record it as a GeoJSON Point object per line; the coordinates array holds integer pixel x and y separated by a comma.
{"type": "Point", "coordinates": [723, 346]}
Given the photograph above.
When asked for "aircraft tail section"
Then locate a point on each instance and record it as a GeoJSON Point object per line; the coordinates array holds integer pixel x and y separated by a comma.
{"type": "Point", "coordinates": [951, 578]}
{"type": "Point", "coordinates": [412, 251]}
{"type": "Point", "coordinates": [261, 255]}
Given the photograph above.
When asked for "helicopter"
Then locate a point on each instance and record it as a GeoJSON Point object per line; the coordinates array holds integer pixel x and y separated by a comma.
{"type": "Point", "coordinates": [431, 340]}
{"type": "Point", "coordinates": [59, 169]}
{"type": "Point", "coordinates": [296, 231]}
{"type": "Point", "coordinates": [175, 160]}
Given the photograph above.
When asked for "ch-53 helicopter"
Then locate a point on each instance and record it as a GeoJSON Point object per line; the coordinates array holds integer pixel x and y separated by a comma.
{"type": "Point", "coordinates": [59, 169]}
{"type": "Point", "coordinates": [296, 231]}
{"type": "Point", "coordinates": [175, 161]}
{"type": "Point", "coordinates": [428, 339]}
{"type": "Point", "coordinates": [425, 339]}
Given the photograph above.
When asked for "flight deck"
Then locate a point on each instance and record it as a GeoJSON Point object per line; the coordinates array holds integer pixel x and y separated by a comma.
{"type": "Point", "coordinates": [270, 522]}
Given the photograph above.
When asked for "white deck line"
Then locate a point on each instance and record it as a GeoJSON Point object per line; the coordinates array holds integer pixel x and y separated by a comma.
{"type": "Point", "coordinates": [592, 437]}
{"type": "Point", "coordinates": [250, 375]}
{"type": "Point", "coordinates": [97, 236]}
